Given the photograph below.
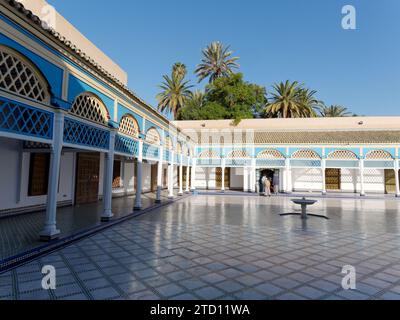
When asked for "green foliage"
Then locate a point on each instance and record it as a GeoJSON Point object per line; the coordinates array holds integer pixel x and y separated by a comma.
{"type": "Point", "coordinates": [334, 111]}
{"type": "Point", "coordinates": [291, 100]}
{"type": "Point", "coordinates": [217, 62]}
{"type": "Point", "coordinates": [175, 90]}
{"type": "Point", "coordinates": [226, 98]}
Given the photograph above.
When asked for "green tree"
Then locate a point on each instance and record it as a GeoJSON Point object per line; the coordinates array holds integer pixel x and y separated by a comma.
{"type": "Point", "coordinates": [226, 98]}
{"type": "Point", "coordinates": [179, 70]}
{"type": "Point", "coordinates": [291, 100]}
{"type": "Point", "coordinates": [334, 111]}
{"type": "Point", "coordinates": [175, 90]}
{"type": "Point", "coordinates": [216, 63]}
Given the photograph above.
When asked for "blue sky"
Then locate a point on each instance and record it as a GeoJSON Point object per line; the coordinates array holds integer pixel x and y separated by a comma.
{"type": "Point", "coordinates": [275, 39]}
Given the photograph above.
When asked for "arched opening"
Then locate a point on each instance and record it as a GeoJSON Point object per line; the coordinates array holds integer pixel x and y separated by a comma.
{"type": "Point", "coordinates": [20, 76]}
{"type": "Point", "coordinates": [90, 107]}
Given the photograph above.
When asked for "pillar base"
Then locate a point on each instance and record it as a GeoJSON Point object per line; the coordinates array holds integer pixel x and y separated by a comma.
{"type": "Point", "coordinates": [187, 191]}
{"type": "Point", "coordinates": [49, 234]}
{"type": "Point", "coordinates": [170, 197]}
{"type": "Point", "coordinates": [137, 208]}
{"type": "Point", "coordinates": [324, 193]}
{"type": "Point", "coordinates": [362, 194]}
{"type": "Point", "coordinates": [180, 193]}
{"type": "Point", "coordinates": [158, 201]}
{"type": "Point", "coordinates": [106, 218]}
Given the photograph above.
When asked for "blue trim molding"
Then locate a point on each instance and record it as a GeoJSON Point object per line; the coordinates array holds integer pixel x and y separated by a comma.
{"type": "Point", "coordinates": [79, 133]}
{"type": "Point", "coordinates": [19, 118]}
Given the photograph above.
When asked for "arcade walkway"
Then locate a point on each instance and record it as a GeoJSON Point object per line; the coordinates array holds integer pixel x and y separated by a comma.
{"type": "Point", "coordinates": [228, 247]}
{"type": "Point", "coordinates": [20, 233]}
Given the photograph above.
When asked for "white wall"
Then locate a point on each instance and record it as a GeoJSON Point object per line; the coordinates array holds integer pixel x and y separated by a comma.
{"type": "Point", "coordinates": [236, 178]}
{"type": "Point", "coordinates": [306, 179]}
{"type": "Point", "coordinates": [374, 180]}
{"type": "Point", "coordinates": [146, 177]}
{"type": "Point", "coordinates": [205, 178]}
{"type": "Point", "coordinates": [10, 167]}
{"type": "Point", "coordinates": [350, 180]}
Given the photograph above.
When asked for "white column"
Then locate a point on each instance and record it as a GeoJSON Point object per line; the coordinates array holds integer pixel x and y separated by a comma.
{"type": "Point", "coordinates": [253, 176]}
{"type": "Point", "coordinates": [187, 190]}
{"type": "Point", "coordinates": [50, 230]}
{"type": "Point", "coordinates": [108, 179]}
{"type": "Point", "coordinates": [181, 176]}
{"type": "Point", "coordinates": [323, 169]}
{"type": "Point", "coordinates": [159, 174]}
{"type": "Point", "coordinates": [193, 183]}
{"type": "Point", "coordinates": [396, 175]}
{"type": "Point", "coordinates": [289, 188]}
{"type": "Point", "coordinates": [138, 198]}
{"type": "Point", "coordinates": [362, 191]}
{"type": "Point", "coordinates": [245, 179]}
{"type": "Point", "coordinates": [223, 175]}
{"type": "Point", "coordinates": [171, 175]}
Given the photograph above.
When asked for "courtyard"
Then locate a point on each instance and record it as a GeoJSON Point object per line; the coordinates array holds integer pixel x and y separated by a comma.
{"type": "Point", "coordinates": [228, 247]}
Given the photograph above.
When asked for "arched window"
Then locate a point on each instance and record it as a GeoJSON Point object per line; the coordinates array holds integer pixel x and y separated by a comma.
{"type": "Point", "coordinates": [178, 148]}
{"type": "Point", "coordinates": [238, 154]}
{"type": "Point", "coordinates": [129, 126]}
{"type": "Point", "coordinates": [90, 107]}
{"type": "Point", "coordinates": [305, 154]}
{"type": "Point", "coordinates": [18, 75]}
{"type": "Point", "coordinates": [168, 143]}
{"type": "Point", "coordinates": [342, 155]}
{"type": "Point", "coordinates": [152, 136]}
{"type": "Point", "coordinates": [270, 154]}
{"type": "Point", "coordinates": [208, 154]}
{"type": "Point", "coordinates": [378, 155]}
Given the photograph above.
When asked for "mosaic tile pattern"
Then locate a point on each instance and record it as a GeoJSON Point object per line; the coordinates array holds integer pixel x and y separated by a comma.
{"type": "Point", "coordinates": [174, 253]}
{"type": "Point", "coordinates": [20, 233]}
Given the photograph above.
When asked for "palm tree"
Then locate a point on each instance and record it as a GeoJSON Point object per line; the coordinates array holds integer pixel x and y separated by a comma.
{"type": "Point", "coordinates": [217, 62]}
{"type": "Point", "coordinates": [309, 103]}
{"type": "Point", "coordinates": [196, 100]}
{"type": "Point", "coordinates": [334, 111]}
{"type": "Point", "coordinates": [175, 90]}
{"type": "Point", "coordinates": [179, 70]}
{"type": "Point", "coordinates": [285, 101]}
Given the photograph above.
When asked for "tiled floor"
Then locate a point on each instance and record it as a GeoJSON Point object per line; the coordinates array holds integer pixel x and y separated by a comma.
{"type": "Point", "coordinates": [228, 247]}
{"type": "Point", "coordinates": [21, 233]}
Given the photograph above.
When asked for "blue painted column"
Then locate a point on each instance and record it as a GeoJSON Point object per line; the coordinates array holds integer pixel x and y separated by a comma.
{"type": "Point", "coordinates": [139, 164]}
{"type": "Point", "coordinates": [187, 190]}
{"type": "Point", "coordinates": [159, 174]}
{"type": "Point", "coordinates": [171, 176]}
{"type": "Point", "coordinates": [323, 169]}
{"type": "Point", "coordinates": [108, 179]}
{"type": "Point", "coordinates": [396, 175]}
{"type": "Point", "coordinates": [180, 175]}
{"type": "Point", "coordinates": [50, 230]}
{"type": "Point", "coordinates": [193, 183]}
{"type": "Point", "coordinates": [362, 191]}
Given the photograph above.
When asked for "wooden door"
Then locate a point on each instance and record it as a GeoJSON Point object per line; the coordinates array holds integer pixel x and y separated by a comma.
{"type": "Point", "coordinates": [165, 177]}
{"type": "Point", "coordinates": [87, 178]}
{"type": "Point", "coordinates": [390, 181]}
{"type": "Point", "coordinates": [332, 179]}
{"type": "Point", "coordinates": [154, 170]}
{"type": "Point", "coordinates": [227, 178]}
{"type": "Point", "coordinates": [218, 178]}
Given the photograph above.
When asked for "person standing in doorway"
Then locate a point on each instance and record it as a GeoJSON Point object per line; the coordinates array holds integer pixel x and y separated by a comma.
{"type": "Point", "coordinates": [267, 187]}
{"type": "Point", "coordinates": [275, 183]}
{"type": "Point", "coordinates": [262, 180]}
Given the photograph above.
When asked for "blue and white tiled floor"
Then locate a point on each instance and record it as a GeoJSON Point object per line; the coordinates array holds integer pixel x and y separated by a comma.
{"type": "Point", "coordinates": [228, 247]}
